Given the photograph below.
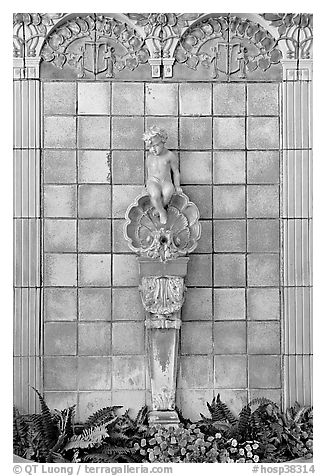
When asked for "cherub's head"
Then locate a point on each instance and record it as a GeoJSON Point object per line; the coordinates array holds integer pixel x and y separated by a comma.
{"type": "Point", "coordinates": [155, 138]}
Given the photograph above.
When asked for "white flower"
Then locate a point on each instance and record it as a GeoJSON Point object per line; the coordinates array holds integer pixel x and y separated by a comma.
{"type": "Point", "coordinates": [256, 458]}
{"type": "Point", "coordinates": [255, 446]}
{"type": "Point", "coordinates": [249, 454]}
{"type": "Point", "coordinates": [218, 435]}
{"type": "Point", "coordinates": [241, 451]}
{"type": "Point", "coordinates": [234, 442]}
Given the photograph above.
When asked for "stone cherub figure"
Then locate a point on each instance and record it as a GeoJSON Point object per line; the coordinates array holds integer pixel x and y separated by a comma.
{"type": "Point", "coordinates": [159, 164]}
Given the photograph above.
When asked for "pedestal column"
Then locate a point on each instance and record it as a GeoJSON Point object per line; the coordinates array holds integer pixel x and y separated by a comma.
{"type": "Point", "coordinates": [297, 231]}
{"type": "Point", "coordinates": [27, 233]}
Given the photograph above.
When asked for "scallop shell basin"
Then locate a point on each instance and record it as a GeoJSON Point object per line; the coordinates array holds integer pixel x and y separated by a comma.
{"type": "Point", "coordinates": [181, 231]}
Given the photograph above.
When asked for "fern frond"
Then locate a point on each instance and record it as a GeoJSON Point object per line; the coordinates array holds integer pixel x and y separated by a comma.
{"type": "Point", "coordinates": [20, 433]}
{"type": "Point", "coordinates": [88, 439]}
{"type": "Point", "coordinates": [102, 416]}
{"type": "Point", "coordinates": [49, 427]}
{"type": "Point", "coordinates": [141, 416]}
{"type": "Point", "coordinates": [243, 429]}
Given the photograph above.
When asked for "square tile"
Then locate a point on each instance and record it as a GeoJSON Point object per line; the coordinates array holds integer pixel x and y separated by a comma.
{"type": "Point", "coordinates": [194, 402]}
{"type": "Point", "coordinates": [128, 167]}
{"type": "Point", "coordinates": [94, 236]}
{"type": "Point", "coordinates": [229, 167]}
{"type": "Point", "coordinates": [229, 133]}
{"type": "Point", "coordinates": [198, 305]}
{"type": "Point", "coordinates": [196, 167]}
{"type": "Point", "coordinates": [59, 98]}
{"type": "Point", "coordinates": [94, 270]}
{"type": "Point", "coordinates": [196, 371]}
{"type": "Point", "coordinates": [60, 338]}
{"type": "Point", "coordinates": [263, 201]}
{"type": "Point", "coordinates": [229, 201]}
{"type": "Point", "coordinates": [263, 304]}
{"type": "Point", "coordinates": [195, 99]}
{"type": "Point", "coordinates": [94, 373]}
{"type": "Point", "coordinates": [195, 133]}
{"type": "Point", "coordinates": [263, 235]}
{"type": "Point", "coordinates": [119, 242]}
{"type": "Point", "coordinates": [196, 338]}
{"type": "Point", "coordinates": [93, 132]}
{"type": "Point", "coordinates": [125, 270]}
{"type": "Point", "coordinates": [230, 371]}
{"type": "Point", "coordinates": [263, 166]}
{"type": "Point", "coordinates": [133, 400]}
{"type": "Point", "coordinates": [170, 125]}
{"type": "Point", "coordinates": [229, 99]}
{"type": "Point", "coordinates": [94, 338]}
{"type": "Point", "coordinates": [128, 99]}
{"type": "Point", "coordinates": [229, 270]}
{"type": "Point", "coordinates": [126, 304]}
{"type": "Point", "coordinates": [263, 270]}
{"type": "Point", "coordinates": [127, 133]}
{"type": "Point", "coordinates": [94, 98]}
{"type": "Point", "coordinates": [199, 270]}
{"type": "Point", "coordinates": [59, 166]}
{"type": "Point", "coordinates": [60, 304]}
{"type": "Point", "coordinates": [60, 269]}
{"type": "Point", "coordinates": [123, 196]}
{"type": "Point", "coordinates": [60, 132]}
{"type": "Point", "coordinates": [94, 201]}
{"type": "Point", "coordinates": [263, 133]}
{"type": "Point", "coordinates": [161, 99]}
{"type": "Point", "coordinates": [60, 201]}
{"type": "Point", "coordinates": [128, 373]}
{"type": "Point", "coordinates": [264, 371]}
{"type": "Point", "coordinates": [204, 244]}
{"type": "Point", "coordinates": [230, 337]}
{"type": "Point", "coordinates": [93, 166]}
{"type": "Point", "coordinates": [128, 338]}
{"type": "Point", "coordinates": [94, 304]}
{"type": "Point", "coordinates": [229, 235]}
{"type": "Point", "coordinates": [229, 304]}
{"type": "Point", "coordinates": [263, 99]}
{"type": "Point", "coordinates": [202, 197]}
{"type": "Point", "coordinates": [264, 338]}
{"type": "Point", "coordinates": [60, 400]}
{"type": "Point", "coordinates": [60, 235]}
{"type": "Point", "coordinates": [90, 402]}
{"type": "Point", "coordinates": [60, 373]}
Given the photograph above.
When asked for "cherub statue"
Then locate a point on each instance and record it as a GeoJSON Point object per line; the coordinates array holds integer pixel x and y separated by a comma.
{"type": "Point", "coordinates": [159, 164]}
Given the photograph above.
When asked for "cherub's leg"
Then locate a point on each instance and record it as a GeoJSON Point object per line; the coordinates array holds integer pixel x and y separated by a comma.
{"type": "Point", "coordinates": [154, 191]}
{"type": "Point", "coordinates": [167, 192]}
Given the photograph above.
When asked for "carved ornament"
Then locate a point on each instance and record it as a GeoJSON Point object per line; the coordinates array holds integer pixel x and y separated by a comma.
{"type": "Point", "coordinates": [29, 28]}
{"type": "Point", "coordinates": [95, 44]}
{"type": "Point", "coordinates": [162, 295]}
{"type": "Point", "coordinates": [164, 400]}
{"type": "Point", "coordinates": [228, 45]}
{"type": "Point", "coordinates": [147, 236]}
{"type": "Point", "coordinates": [295, 29]}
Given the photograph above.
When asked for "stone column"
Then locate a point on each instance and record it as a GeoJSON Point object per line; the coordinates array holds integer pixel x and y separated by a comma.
{"type": "Point", "coordinates": [297, 231]}
{"type": "Point", "coordinates": [27, 233]}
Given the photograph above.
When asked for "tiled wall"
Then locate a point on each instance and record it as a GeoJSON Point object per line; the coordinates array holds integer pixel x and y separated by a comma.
{"type": "Point", "coordinates": [227, 139]}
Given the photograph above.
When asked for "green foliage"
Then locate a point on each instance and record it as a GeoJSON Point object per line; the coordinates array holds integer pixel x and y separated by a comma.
{"type": "Point", "coordinates": [261, 432]}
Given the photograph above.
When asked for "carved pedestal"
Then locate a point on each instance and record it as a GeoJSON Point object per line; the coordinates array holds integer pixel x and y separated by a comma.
{"type": "Point", "coordinates": [162, 269]}
{"type": "Point", "coordinates": [163, 291]}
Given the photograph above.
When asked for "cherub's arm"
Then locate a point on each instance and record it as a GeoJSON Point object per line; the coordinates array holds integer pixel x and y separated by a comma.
{"type": "Point", "coordinates": [176, 173]}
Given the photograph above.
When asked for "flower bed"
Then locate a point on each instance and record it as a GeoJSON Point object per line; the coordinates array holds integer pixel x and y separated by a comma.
{"type": "Point", "coordinates": [261, 432]}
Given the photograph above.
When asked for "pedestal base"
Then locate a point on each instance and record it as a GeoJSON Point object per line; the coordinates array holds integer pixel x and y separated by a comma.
{"type": "Point", "coordinates": [163, 417]}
